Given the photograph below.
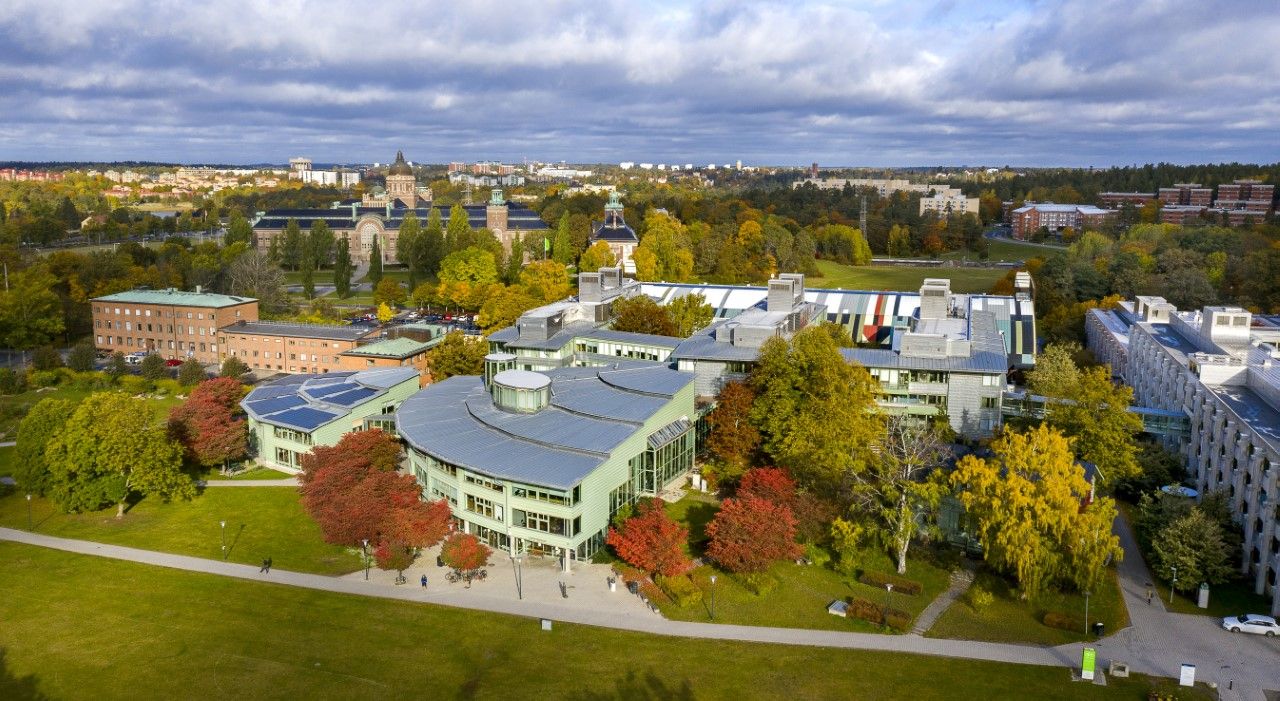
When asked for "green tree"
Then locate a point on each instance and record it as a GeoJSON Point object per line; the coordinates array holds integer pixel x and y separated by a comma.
{"type": "Point", "coordinates": [1193, 544]}
{"type": "Point", "coordinates": [43, 421]}
{"type": "Point", "coordinates": [390, 292]}
{"type": "Point", "coordinates": [690, 313]}
{"type": "Point", "coordinates": [502, 307]}
{"type": "Point", "coordinates": [116, 367]}
{"type": "Point", "coordinates": [474, 266]}
{"type": "Point", "coordinates": [46, 358]}
{"type": "Point", "coordinates": [292, 249]}
{"type": "Point", "coordinates": [238, 230]}
{"type": "Point", "coordinates": [562, 247]}
{"type": "Point", "coordinates": [433, 244]}
{"type": "Point", "coordinates": [802, 389]}
{"type": "Point", "coordinates": [640, 314]}
{"type": "Point", "coordinates": [1026, 501]}
{"type": "Point", "coordinates": [545, 280]}
{"type": "Point", "coordinates": [515, 260]}
{"type": "Point", "coordinates": [81, 357]}
{"type": "Point", "coordinates": [899, 241]}
{"type": "Point", "coordinates": [458, 232]}
{"type": "Point", "coordinates": [456, 355]}
{"type": "Point", "coordinates": [110, 449]}
{"type": "Point", "coordinates": [409, 246]}
{"type": "Point", "coordinates": [663, 253]}
{"type": "Point", "coordinates": [598, 256]}
{"type": "Point", "coordinates": [342, 269]}
{"type": "Point", "coordinates": [308, 277]}
{"type": "Point", "coordinates": [375, 263]}
{"type": "Point", "coordinates": [273, 250]}
{"type": "Point", "coordinates": [153, 367]}
{"type": "Point", "coordinates": [320, 243]}
{"type": "Point", "coordinates": [31, 313]}
{"type": "Point", "coordinates": [191, 373]}
{"type": "Point", "coordinates": [233, 367]}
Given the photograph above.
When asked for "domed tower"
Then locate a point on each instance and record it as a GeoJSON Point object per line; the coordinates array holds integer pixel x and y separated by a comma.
{"type": "Point", "coordinates": [401, 184]}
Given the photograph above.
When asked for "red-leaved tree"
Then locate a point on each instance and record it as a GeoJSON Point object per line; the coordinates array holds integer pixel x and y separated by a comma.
{"type": "Point", "coordinates": [749, 534]}
{"type": "Point", "coordinates": [209, 424]}
{"type": "Point", "coordinates": [651, 540]}
{"type": "Point", "coordinates": [733, 438]}
{"type": "Point", "coordinates": [466, 556]}
{"type": "Point", "coordinates": [771, 484]}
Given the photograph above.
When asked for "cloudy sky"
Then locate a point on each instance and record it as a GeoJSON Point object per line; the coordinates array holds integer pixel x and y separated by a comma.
{"type": "Point", "coordinates": [861, 83]}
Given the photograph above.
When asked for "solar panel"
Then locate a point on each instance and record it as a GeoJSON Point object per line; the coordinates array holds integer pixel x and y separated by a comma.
{"type": "Point", "coordinates": [351, 398]}
{"type": "Point", "coordinates": [326, 390]}
{"type": "Point", "coordinates": [274, 404]}
{"type": "Point", "coordinates": [305, 418]}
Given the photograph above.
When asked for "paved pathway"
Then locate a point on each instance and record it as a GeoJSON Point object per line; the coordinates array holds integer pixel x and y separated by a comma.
{"type": "Point", "coordinates": [960, 581]}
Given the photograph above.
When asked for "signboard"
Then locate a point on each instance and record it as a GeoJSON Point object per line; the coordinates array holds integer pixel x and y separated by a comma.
{"type": "Point", "coordinates": [1188, 675]}
{"type": "Point", "coordinates": [1088, 663]}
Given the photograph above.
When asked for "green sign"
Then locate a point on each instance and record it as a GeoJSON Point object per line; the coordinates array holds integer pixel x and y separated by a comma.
{"type": "Point", "coordinates": [1088, 663]}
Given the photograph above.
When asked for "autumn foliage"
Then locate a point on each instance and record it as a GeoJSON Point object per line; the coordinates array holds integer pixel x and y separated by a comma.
{"type": "Point", "coordinates": [651, 540]}
{"type": "Point", "coordinates": [733, 438]}
{"type": "Point", "coordinates": [466, 556]}
{"type": "Point", "coordinates": [208, 424]}
{"type": "Point", "coordinates": [749, 533]}
{"type": "Point", "coordinates": [771, 484]}
{"type": "Point", "coordinates": [354, 493]}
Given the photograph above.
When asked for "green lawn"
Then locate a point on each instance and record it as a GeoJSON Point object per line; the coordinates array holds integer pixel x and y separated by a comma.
{"type": "Point", "coordinates": [15, 406]}
{"type": "Point", "coordinates": [1004, 250]}
{"type": "Point", "coordinates": [906, 279]}
{"type": "Point", "coordinates": [253, 473]}
{"type": "Point", "coordinates": [1009, 620]}
{"type": "Point", "coordinates": [261, 522]}
{"type": "Point", "coordinates": [82, 627]}
{"type": "Point", "coordinates": [803, 592]}
{"type": "Point", "coordinates": [7, 456]}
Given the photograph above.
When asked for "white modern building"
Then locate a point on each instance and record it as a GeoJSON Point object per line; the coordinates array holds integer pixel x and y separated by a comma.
{"type": "Point", "coordinates": [1220, 366]}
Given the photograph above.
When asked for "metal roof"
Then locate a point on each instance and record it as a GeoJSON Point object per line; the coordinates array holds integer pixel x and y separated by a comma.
{"type": "Point", "coordinates": [177, 298]}
{"type": "Point", "coordinates": [522, 379]}
{"type": "Point", "coordinates": [307, 402]}
{"type": "Point", "coordinates": [986, 356]}
{"type": "Point", "coordinates": [402, 347]}
{"type": "Point", "coordinates": [298, 330]}
{"type": "Point", "coordinates": [592, 411]}
{"type": "Point", "coordinates": [642, 339]}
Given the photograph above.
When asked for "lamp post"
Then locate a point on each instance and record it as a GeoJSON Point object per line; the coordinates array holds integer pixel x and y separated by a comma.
{"type": "Point", "coordinates": [713, 597]}
{"type": "Point", "coordinates": [364, 548]}
{"type": "Point", "coordinates": [224, 538]}
{"type": "Point", "coordinates": [1173, 584]}
{"type": "Point", "coordinates": [888, 602]}
{"type": "Point", "coordinates": [516, 562]}
{"type": "Point", "coordinates": [29, 527]}
{"type": "Point", "coordinates": [1086, 611]}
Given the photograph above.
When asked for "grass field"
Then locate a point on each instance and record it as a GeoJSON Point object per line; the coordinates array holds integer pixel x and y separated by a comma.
{"type": "Point", "coordinates": [261, 522]}
{"type": "Point", "coordinates": [803, 592]}
{"type": "Point", "coordinates": [84, 627]}
{"type": "Point", "coordinates": [1009, 620]}
{"type": "Point", "coordinates": [1004, 250]}
{"type": "Point", "coordinates": [906, 279]}
{"type": "Point", "coordinates": [15, 406]}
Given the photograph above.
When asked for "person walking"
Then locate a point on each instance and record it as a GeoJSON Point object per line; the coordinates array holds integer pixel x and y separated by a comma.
{"type": "Point", "coordinates": [266, 566]}
{"type": "Point", "coordinates": [1150, 594]}
{"type": "Point", "coordinates": [424, 581]}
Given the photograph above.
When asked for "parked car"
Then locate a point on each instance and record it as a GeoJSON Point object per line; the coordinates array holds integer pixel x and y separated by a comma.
{"type": "Point", "coordinates": [1251, 623]}
{"type": "Point", "coordinates": [172, 362]}
{"type": "Point", "coordinates": [134, 358]}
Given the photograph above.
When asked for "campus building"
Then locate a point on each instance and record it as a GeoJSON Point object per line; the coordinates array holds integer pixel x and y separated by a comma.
{"type": "Point", "coordinates": [172, 323]}
{"type": "Point", "coordinates": [402, 351]}
{"type": "Point", "coordinates": [944, 204]}
{"type": "Point", "coordinates": [621, 239]}
{"type": "Point", "coordinates": [1114, 200]}
{"type": "Point", "coordinates": [1220, 368]}
{"type": "Point", "coordinates": [1030, 218]}
{"type": "Point", "coordinates": [286, 346]}
{"type": "Point", "coordinates": [292, 415]}
{"type": "Point", "coordinates": [1246, 195]}
{"type": "Point", "coordinates": [539, 462]}
{"type": "Point", "coordinates": [1187, 194]}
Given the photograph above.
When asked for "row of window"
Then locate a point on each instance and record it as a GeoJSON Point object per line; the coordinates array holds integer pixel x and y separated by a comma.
{"type": "Point", "coordinates": [147, 312]}
{"type": "Point", "coordinates": [292, 342]}
{"type": "Point", "coordinates": [153, 344]}
{"type": "Point", "coordinates": [292, 435]}
{"type": "Point", "coordinates": [292, 356]}
{"type": "Point", "coordinates": [158, 328]}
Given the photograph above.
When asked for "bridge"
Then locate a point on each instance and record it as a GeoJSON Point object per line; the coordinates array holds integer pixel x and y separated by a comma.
{"type": "Point", "coordinates": [1160, 422]}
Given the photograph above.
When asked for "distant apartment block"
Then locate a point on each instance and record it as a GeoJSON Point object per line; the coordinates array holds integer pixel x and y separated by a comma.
{"type": "Point", "coordinates": [1113, 200]}
{"type": "Point", "coordinates": [949, 203]}
{"type": "Point", "coordinates": [40, 176]}
{"type": "Point", "coordinates": [1187, 194]}
{"type": "Point", "coordinates": [1246, 195]}
{"type": "Point", "coordinates": [290, 347]}
{"type": "Point", "coordinates": [172, 323]}
{"type": "Point", "coordinates": [1028, 219]}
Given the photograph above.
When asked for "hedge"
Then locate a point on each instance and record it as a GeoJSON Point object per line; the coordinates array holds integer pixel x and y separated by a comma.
{"type": "Point", "coordinates": [758, 583]}
{"type": "Point", "coordinates": [681, 589]}
{"type": "Point", "coordinates": [873, 613]}
{"type": "Point", "coordinates": [901, 585]}
{"type": "Point", "coordinates": [1062, 621]}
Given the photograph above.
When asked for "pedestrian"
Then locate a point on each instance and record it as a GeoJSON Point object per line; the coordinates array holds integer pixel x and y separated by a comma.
{"type": "Point", "coordinates": [424, 581]}
{"type": "Point", "coordinates": [1150, 594]}
{"type": "Point", "coordinates": [266, 564]}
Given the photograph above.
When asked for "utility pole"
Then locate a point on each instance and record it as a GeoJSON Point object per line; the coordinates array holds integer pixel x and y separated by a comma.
{"type": "Point", "coordinates": [862, 216]}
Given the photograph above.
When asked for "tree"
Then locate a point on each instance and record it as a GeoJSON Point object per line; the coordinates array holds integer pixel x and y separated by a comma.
{"type": "Point", "coordinates": [663, 253]}
{"type": "Point", "coordinates": [458, 232]}
{"type": "Point", "coordinates": [153, 367]}
{"type": "Point", "coordinates": [385, 312]}
{"type": "Point", "coordinates": [209, 425]}
{"type": "Point", "coordinates": [238, 230]}
{"type": "Point", "coordinates": [342, 269]}
{"type": "Point", "coordinates": [233, 367]}
{"type": "Point", "coordinates": [110, 450]}
{"type": "Point", "coordinates": [81, 357]}
{"type": "Point", "coordinates": [254, 275]}
{"type": "Point", "coordinates": [897, 487]}
{"type": "Point", "coordinates": [433, 245]}
{"type": "Point", "coordinates": [308, 277]}
{"type": "Point", "coordinates": [733, 437]}
{"type": "Point", "coordinates": [320, 243]}
{"type": "Point", "coordinates": [390, 292]}
{"type": "Point", "coordinates": [31, 313]}
{"type": "Point", "coordinates": [116, 367]}
{"type": "Point", "coordinates": [456, 355]}
{"type": "Point", "coordinates": [465, 555]}
{"type": "Point", "coordinates": [771, 484]}
{"type": "Point", "coordinates": [503, 307]}
{"type": "Point", "coordinates": [473, 266]}
{"type": "Point", "coordinates": [804, 387]}
{"type": "Point", "coordinates": [640, 314]}
{"type": "Point", "coordinates": [690, 313]}
{"type": "Point", "coordinates": [42, 422]}
{"type": "Point", "coordinates": [1029, 504]}
{"type": "Point", "coordinates": [748, 534]}
{"type": "Point", "coordinates": [291, 250]}
{"type": "Point", "coordinates": [899, 241]}
{"type": "Point", "coordinates": [46, 358]}
{"type": "Point", "coordinates": [191, 372]}
{"type": "Point", "coordinates": [545, 280]}
{"type": "Point", "coordinates": [598, 256]}
{"type": "Point", "coordinates": [562, 248]}
{"type": "Point", "coordinates": [409, 247]}
{"type": "Point", "coordinates": [651, 540]}
{"type": "Point", "coordinates": [1194, 545]}
{"type": "Point", "coordinates": [1094, 412]}
{"type": "Point", "coordinates": [375, 262]}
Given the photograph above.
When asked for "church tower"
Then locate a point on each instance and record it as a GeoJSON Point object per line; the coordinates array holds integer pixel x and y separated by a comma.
{"type": "Point", "coordinates": [401, 184]}
{"type": "Point", "coordinates": [495, 219]}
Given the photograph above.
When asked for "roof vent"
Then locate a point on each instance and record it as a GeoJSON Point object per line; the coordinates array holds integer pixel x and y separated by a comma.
{"type": "Point", "coordinates": [520, 391]}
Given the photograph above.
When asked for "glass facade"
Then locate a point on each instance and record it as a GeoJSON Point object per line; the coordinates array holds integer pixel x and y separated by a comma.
{"type": "Point", "coordinates": [655, 468]}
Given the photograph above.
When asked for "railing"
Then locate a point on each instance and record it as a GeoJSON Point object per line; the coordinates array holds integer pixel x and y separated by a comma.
{"type": "Point", "coordinates": [1155, 421]}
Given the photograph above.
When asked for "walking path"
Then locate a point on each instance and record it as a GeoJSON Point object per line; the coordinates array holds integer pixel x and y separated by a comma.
{"type": "Point", "coordinates": [1156, 643]}
{"type": "Point", "coordinates": [960, 581]}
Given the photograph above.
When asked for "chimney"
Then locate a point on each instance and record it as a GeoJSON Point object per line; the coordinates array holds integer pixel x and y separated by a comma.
{"type": "Point", "coordinates": [934, 294]}
{"type": "Point", "coordinates": [198, 289]}
{"type": "Point", "coordinates": [785, 293]}
{"type": "Point", "coordinates": [590, 288]}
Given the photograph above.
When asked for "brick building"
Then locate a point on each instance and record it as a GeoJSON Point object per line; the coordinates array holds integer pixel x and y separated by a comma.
{"type": "Point", "coordinates": [277, 346]}
{"type": "Point", "coordinates": [171, 323]}
{"type": "Point", "coordinates": [1113, 200]}
{"type": "Point", "coordinates": [1026, 220]}
{"type": "Point", "coordinates": [1189, 194]}
{"type": "Point", "coordinates": [1246, 195]}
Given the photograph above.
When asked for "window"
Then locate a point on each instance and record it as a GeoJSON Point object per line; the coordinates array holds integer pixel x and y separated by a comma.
{"type": "Point", "coordinates": [473, 479]}
{"type": "Point", "coordinates": [292, 435]}
{"type": "Point", "coordinates": [540, 522]}
{"type": "Point", "coordinates": [990, 402]}
{"type": "Point", "coordinates": [484, 507]}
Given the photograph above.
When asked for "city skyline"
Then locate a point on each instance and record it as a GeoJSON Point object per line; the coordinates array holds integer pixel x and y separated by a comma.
{"type": "Point", "coordinates": [867, 84]}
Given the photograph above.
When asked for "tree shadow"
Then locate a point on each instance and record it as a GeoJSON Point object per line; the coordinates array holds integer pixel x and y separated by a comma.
{"type": "Point", "coordinates": [15, 688]}
{"type": "Point", "coordinates": [697, 517]}
{"type": "Point", "coordinates": [640, 687]}
{"type": "Point", "coordinates": [234, 539]}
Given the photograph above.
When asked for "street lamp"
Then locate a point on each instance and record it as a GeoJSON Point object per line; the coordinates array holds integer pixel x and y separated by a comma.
{"type": "Point", "coordinates": [364, 548]}
{"type": "Point", "coordinates": [29, 527]}
{"type": "Point", "coordinates": [516, 561]}
{"type": "Point", "coordinates": [224, 538]}
{"type": "Point", "coordinates": [888, 602]}
{"type": "Point", "coordinates": [1086, 611]}
{"type": "Point", "coordinates": [713, 597]}
{"type": "Point", "coordinates": [1173, 584]}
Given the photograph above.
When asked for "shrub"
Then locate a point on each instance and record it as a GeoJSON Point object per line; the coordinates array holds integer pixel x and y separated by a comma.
{"type": "Point", "coordinates": [901, 585]}
{"type": "Point", "coordinates": [758, 583]}
{"type": "Point", "coordinates": [680, 589]}
{"type": "Point", "coordinates": [46, 358]}
{"type": "Point", "coordinates": [870, 612]}
{"type": "Point", "coordinates": [133, 384]}
{"type": "Point", "coordinates": [817, 554]}
{"type": "Point", "coordinates": [627, 573]}
{"type": "Point", "coordinates": [12, 382]}
{"type": "Point", "coordinates": [44, 378]}
{"type": "Point", "coordinates": [980, 598]}
{"type": "Point", "coordinates": [1062, 621]}
{"type": "Point", "coordinates": [653, 593]}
